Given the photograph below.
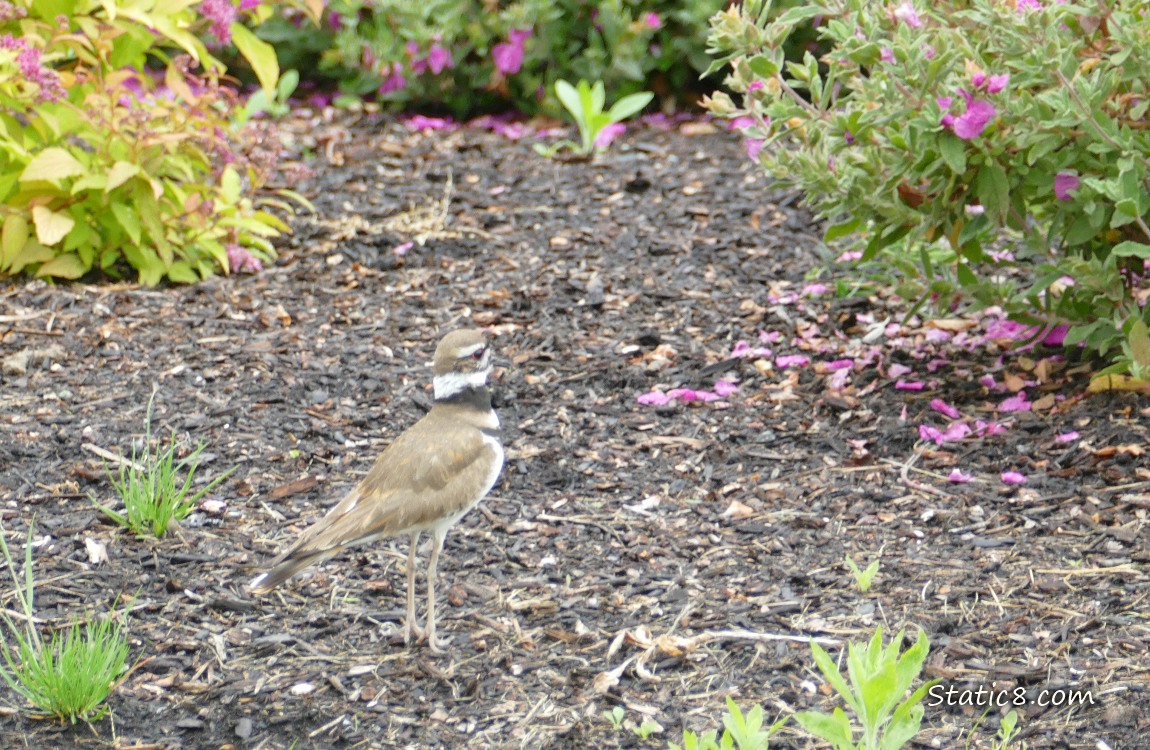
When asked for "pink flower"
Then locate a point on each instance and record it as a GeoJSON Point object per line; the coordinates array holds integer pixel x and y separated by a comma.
{"type": "Point", "coordinates": [995, 84]}
{"type": "Point", "coordinates": [987, 381]}
{"type": "Point", "coordinates": [955, 431]}
{"type": "Point", "coordinates": [928, 51]}
{"type": "Point", "coordinates": [988, 428]}
{"type": "Point", "coordinates": [1024, 5]}
{"type": "Point", "coordinates": [1017, 402]}
{"type": "Point", "coordinates": [1013, 477]}
{"type": "Point", "coordinates": [508, 56]}
{"type": "Point", "coordinates": [418, 64]}
{"type": "Point", "coordinates": [652, 20]}
{"type": "Point", "coordinates": [1000, 255]}
{"type": "Point", "coordinates": [840, 364]}
{"type": "Point", "coordinates": [743, 350]}
{"type": "Point", "coordinates": [439, 59]}
{"type": "Point", "coordinates": [654, 398]}
{"type": "Point", "coordinates": [906, 13]}
{"type": "Point", "coordinates": [958, 476]}
{"type": "Point", "coordinates": [770, 337]}
{"type": "Point", "coordinates": [792, 360]}
{"type": "Point", "coordinates": [609, 133]}
{"type": "Point", "coordinates": [222, 14]}
{"type": "Point", "coordinates": [1067, 437]}
{"type": "Point", "coordinates": [886, 54]}
{"type": "Point", "coordinates": [944, 408]}
{"type": "Point", "coordinates": [393, 82]}
{"type": "Point", "coordinates": [848, 256]}
{"type": "Point", "coordinates": [753, 147]}
{"type": "Point", "coordinates": [1065, 183]}
{"type": "Point", "coordinates": [838, 379]}
{"type": "Point", "coordinates": [242, 261]}
{"type": "Point", "coordinates": [754, 85]}
{"type": "Point", "coordinates": [1056, 335]}
{"type": "Point", "coordinates": [909, 385]}
{"type": "Point", "coordinates": [814, 290]}
{"type": "Point", "coordinates": [725, 388]}
{"type": "Point", "coordinates": [974, 120]}
{"type": "Point", "coordinates": [927, 432]}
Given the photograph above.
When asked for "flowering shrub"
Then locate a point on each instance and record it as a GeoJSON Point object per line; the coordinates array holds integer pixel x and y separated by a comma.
{"type": "Point", "coordinates": [473, 55]}
{"type": "Point", "coordinates": [102, 163]}
{"type": "Point", "coordinates": [937, 130]}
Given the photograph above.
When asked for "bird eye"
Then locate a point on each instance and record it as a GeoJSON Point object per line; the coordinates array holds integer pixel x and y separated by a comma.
{"type": "Point", "coordinates": [478, 353]}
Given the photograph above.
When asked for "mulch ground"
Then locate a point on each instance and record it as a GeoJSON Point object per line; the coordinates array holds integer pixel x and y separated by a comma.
{"type": "Point", "coordinates": [642, 556]}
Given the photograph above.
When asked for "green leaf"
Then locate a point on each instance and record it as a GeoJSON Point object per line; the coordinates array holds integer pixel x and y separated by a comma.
{"type": "Point", "coordinates": [127, 219]}
{"type": "Point", "coordinates": [32, 252]}
{"type": "Point", "coordinates": [569, 98]}
{"type": "Point", "coordinates": [763, 66]}
{"type": "Point", "coordinates": [121, 172]}
{"type": "Point", "coordinates": [51, 226]}
{"type": "Point", "coordinates": [230, 186]}
{"type": "Point", "coordinates": [842, 229]}
{"type": "Point", "coordinates": [1139, 340]}
{"type": "Point", "coordinates": [52, 164]}
{"type": "Point", "coordinates": [1130, 249]}
{"type": "Point", "coordinates": [259, 54]}
{"type": "Point", "coordinates": [629, 105]}
{"type": "Point", "coordinates": [13, 235]}
{"type": "Point", "coordinates": [835, 729]}
{"type": "Point", "coordinates": [993, 190]}
{"type": "Point", "coordinates": [953, 153]}
{"type": "Point", "coordinates": [66, 266]}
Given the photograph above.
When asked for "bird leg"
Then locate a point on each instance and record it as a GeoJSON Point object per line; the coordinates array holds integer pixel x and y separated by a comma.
{"type": "Point", "coordinates": [411, 629]}
{"type": "Point", "coordinates": [434, 643]}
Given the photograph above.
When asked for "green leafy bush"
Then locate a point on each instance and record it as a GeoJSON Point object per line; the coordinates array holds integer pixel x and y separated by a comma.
{"type": "Point", "coordinates": [934, 130]}
{"type": "Point", "coordinates": [105, 164]}
{"type": "Point", "coordinates": [473, 55]}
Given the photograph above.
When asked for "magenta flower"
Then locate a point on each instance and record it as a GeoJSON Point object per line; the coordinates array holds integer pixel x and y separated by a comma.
{"type": "Point", "coordinates": [944, 408]}
{"type": "Point", "coordinates": [28, 60]}
{"type": "Point", "coordinates": [1013, 477]}
{"type": "Point", "coordinates": [995, 84]}
{"type": "Point", "coordinates": [906, 13]}
{"type": "Point", "coordinates": [886, 54]}
{"type": "Point", "coordinates": [609, 133]}
{"type": "Point", "coordinates": [1024, 5]}
{"type": "Point", "coordinates": [840, 364]}
{"type": "Point", "coordinates": [1067, 437]}
{"type": "Point", "coordinates": [974, 120]}
{"type": "Point", "coordinates": [652, 20]}
{"type": "Point", "coordinates": [393, 82]}
{"type": "Point", "coordinates": [508, 56]}
{"type": "Point", "coordinates": [439, 59]}
{"type": "Point", "coordinates": [423, 123]}
{"type": "Point", "coordinates": [242, 261]}
{"type": "Point", "coordinates": [1065, 183]}
{"type": "Point", "coordinates": [222, 14]}
{"type": "Point", "coordinates": [928, 51]}
{"type": "Point", "coordinates": [814, 290]}
{"type": "Point", "coordinates": [958, 476]}
{"type": "Point", "coordinates": [753, 147]}
{"type": "Point", "coordinates": [909, 385]}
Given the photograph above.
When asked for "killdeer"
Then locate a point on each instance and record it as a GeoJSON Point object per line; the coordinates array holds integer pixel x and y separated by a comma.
{"type": "Point", "coordinates": [426, 480]}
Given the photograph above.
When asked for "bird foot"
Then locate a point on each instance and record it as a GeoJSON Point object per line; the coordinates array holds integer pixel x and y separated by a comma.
{"type": "Point", "coordinates": [437, 645]}
{"type": "Point", "coordinates": [412, 632]}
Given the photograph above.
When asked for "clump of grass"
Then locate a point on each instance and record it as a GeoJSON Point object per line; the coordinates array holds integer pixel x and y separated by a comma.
{"type": "Point", "coordinates": [744, 732]}
{"type": "Point", "coordinates": [150, 489]}
{"type": "Point", "coordinates": [71, 674]}
{"type": "Point", "coordinates": [863, 578]}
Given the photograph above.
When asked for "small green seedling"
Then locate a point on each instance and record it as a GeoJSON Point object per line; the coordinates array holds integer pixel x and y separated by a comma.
{"type": "Point", "coordinates": [876, 693]}
{"type": "Point", "coordinates": [615, 717]}
{"type": "Point", "coordinates": [585, 103]}
{"type": "Point", "coordinates": [647, 728]}
{"type": "Point", "coordinates": [275, 105]}
{"type": "Point", "coordinates": [148, 486]}
{"type": "Point", "coordinates": [1008, 732]}
{"type": "Point", "coordinates": [739, 732]}
{"type": "Point", "coordinates": [70, 675]}
{"type": "Point", "coordinates": [863, 578]}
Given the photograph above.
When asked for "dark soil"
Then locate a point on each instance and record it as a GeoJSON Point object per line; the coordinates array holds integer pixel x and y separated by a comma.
{"type": "Point", "coordinates": [631, 556]}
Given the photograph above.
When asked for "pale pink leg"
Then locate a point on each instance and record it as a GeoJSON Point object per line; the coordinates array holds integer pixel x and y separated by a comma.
{"type": "Point", "coordinates": [411, 629]}
{"type": "Point", "coordinates": [434, 643]}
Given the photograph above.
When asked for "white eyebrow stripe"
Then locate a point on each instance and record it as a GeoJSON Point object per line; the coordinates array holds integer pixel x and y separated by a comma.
{"type": "Point", "coordinates": [467, 351]}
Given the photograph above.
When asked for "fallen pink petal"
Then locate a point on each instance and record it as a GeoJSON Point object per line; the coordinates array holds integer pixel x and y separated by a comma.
{"type": "Point", "coordinates": [689, 394]}
{"type": "Point", "coordinates": [654, 398]}
{"type": "Point", "coordinates": [988, 428]}
{"type": "Point", "coordinates": [927, 432]}
{"type": "Point", "coordinates": [944, 408]}
{"type": "Point", "coordinates": [909, 385]}
{"type": "Point", "coordinates": [897, 371]}
{"type": "Point", "coordinates": [1017, 402]}
{"type": "Point", "coordinates": [955, 431]}
{"type": "Point", "coordinates": [725, 388]}
{"type": "Point", "coordinates": [792, 360]}
{"type": "Point", "coordinates": [958, 476]}
{"type": "Point", "coordinates": [814, 290]}
{"type": "Point", "coordinates": [1013, 477]}
{"type": "Point", "coordinates": [840, 364]}
{"type": "Point", "coordinates": [609, 133]}
{"type": "Point", "coordinates": [1066, 437]}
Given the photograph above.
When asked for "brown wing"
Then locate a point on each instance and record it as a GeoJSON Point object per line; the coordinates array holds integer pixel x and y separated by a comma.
{"type": "Point", "coordinates": [427, 474]}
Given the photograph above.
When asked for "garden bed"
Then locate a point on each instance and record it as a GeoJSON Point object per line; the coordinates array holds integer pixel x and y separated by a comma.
{"type": "Point", "coordinates": [615, 523]}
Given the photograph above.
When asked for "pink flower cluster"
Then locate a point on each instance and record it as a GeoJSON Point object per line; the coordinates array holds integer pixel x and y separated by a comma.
{"type": "Point", "coordinates": [242, 261]}
{"type": "Point", "coordinates": [978, 113]}
{"type": "Point", "coordinates": [222, 14]}
{"type": "Point", "coordinates": [508, 56]}
{"type": "Point", "coordinates": [28, 60]}
{"type": "Point", "coordinates": [723, 388]}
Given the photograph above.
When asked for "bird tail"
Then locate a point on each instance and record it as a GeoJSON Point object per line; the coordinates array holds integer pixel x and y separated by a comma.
{"type": "Point", "coordinates": [283, 570]}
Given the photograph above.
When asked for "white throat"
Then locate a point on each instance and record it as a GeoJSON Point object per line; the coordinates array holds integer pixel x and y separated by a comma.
{"type": "Point", "coordinates": [452, 383]}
